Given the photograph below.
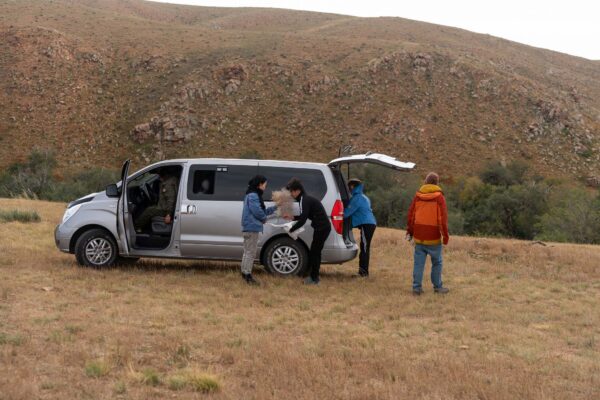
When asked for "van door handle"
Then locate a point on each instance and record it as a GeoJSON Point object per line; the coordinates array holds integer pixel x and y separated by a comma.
{"type": "Point", "coordinates": [188, 209]}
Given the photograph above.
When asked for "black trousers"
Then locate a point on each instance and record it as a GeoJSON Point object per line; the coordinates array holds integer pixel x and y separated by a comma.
{"type": "Point", "coordinates": [314, 255]}
{"type": "Point", "coordinates": [366, 234]}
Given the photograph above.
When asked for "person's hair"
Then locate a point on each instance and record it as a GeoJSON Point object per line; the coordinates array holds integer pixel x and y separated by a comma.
{"type": "Point", "coordinates": [354, 182]}
{"type": "Point", "coordinates": [256, 181]}
{"type": "Point", "coordinates": [432, 178]}
{"type": "Point", "coordinates": [295, 184]}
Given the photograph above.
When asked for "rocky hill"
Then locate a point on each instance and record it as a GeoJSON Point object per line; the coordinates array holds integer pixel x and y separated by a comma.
{"type": "Point", "coordinates": [102, 80]}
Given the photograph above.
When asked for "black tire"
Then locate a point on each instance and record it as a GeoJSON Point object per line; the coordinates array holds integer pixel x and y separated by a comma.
{"type": "Point", "coordinates": [96, 248]}
{"type": "Point", "coordinates": [285, 257]}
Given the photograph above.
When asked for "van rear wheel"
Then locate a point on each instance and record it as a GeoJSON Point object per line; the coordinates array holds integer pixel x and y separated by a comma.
{"type": "Point", "coordinates": [96, 248]}
{"type": "Point", "coordinates": [285, 256]}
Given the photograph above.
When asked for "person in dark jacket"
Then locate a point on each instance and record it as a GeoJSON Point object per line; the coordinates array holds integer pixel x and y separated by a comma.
{"type": "Point", "coordinates": [254, 215]}
{"type": "Point", "coordinates": [311, 208]}
{"type": "Point", "coordinates": [359, 209]}
{"type": "Point", "coordinates": [167, 196]}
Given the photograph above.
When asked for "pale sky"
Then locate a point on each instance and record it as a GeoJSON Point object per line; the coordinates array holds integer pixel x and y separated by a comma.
{"type": "Point", "coordinates": [571, 27]}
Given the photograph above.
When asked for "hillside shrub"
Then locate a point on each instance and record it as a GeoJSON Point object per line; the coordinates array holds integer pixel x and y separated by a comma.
{"type": "Point", "coordinates": [88, 181]}
{"type": "Point", "coordinates": [19, 216]}
{"type": "Point", "coordinates": [35, 179]}
{"type": "Point", "coordinates": [573, 217]}
{"type": "Point", "coordinates": [30, 179]}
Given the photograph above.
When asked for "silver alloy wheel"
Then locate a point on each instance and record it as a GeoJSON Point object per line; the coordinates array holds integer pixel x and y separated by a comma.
{"type": "Point", "coordinates": [285, 260]}
{"type": "Point", "coordinates": [98, 251]}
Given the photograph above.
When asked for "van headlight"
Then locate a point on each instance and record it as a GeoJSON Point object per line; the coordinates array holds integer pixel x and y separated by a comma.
{"type": "Point", "coordinates": [70, 212]}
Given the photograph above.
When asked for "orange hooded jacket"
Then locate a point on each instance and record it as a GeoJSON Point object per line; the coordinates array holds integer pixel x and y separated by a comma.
{"type": "Point", "coordinates": [428, 216]}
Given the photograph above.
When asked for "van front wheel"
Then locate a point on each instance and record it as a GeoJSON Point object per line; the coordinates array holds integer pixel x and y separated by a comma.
{"type": "Point", "coordinates": [96, 248]}
{"type": "Point", "coordinates": [285, 256]}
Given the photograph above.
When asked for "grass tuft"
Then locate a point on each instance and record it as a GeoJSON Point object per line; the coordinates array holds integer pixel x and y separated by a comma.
{"type": "Point", "coordinates": [19, 216]}
{"type": "Point", "coordinates": [14, 340]}
{"type": "Point", "coordinates": [203, 382]}
{"type": "Point", "coordinates": [177, 382]}
{"type": "Point", "coordinates": [194, 380]}
{"type": "Point", "coordinates": [151, 377]}
{"type": "Point", "coordinates": [96, 368]}
{"type": "Point", "coordinates": [120, 388]}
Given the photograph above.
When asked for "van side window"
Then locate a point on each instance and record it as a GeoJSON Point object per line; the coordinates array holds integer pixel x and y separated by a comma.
{"type": "Point", "coordinates": [219, 182]}
{"type": "Point", "coordinates": [204, 182]}
{"type": "Point", "coordinates": [312, 179]}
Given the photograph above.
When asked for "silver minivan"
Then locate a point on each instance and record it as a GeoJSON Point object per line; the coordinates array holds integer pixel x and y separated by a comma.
{"type": "Point", "coordinates": [206, 224]}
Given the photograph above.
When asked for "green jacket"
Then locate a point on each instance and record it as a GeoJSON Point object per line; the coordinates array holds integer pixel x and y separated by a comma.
{"type": "Point", "coordinates": [167, 194]}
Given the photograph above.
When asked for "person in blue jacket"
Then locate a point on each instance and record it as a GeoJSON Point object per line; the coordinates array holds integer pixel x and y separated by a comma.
{"type": "Point", "coordinates": [254, 215]}
{"type": "Point", "coordinates": [359, 209]}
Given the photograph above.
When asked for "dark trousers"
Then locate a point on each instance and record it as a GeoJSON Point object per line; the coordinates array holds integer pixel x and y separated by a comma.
{"type": "Point", "coordinates": [366, 234]}
{"type": "Point", "coordinates": [314, 255]}
{"type": "Point", "coordinates": [145, 218]}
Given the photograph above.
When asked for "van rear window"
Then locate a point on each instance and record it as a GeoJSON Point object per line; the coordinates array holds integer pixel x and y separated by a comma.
{"type": "Point", "coordinates": [313, 180]}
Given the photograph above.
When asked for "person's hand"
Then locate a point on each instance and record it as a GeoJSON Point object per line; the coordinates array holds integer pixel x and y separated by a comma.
{"type": "Point", "coordinates": [168, 219]}
{"type": "Point", "coordinates": [446, 239]}
{"type": "Point", "coordinates": [288, 217]}
{"type": "Point", "coordinates": [408, 236]}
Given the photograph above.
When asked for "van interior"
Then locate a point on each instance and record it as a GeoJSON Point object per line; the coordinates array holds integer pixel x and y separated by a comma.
{"type": "Point", "coordinates": [345, 196]}
{"type": "Point", "coordinates": [142, 192]}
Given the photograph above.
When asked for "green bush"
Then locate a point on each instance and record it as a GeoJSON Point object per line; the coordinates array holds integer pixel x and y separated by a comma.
{"type": "Point", "coordinates": [19, 216]}
{"type": "Point", "coordinates": [96, 368]}
{"type": "Point", "coordinates": [88, 181]}
{"type": "Point", "coordinates": [34, 179]}
{"type": "Point", "coordinates": [497, 174]}
{"type": "Point", "coordinates": [31, 179]}
{"type": "Point", "coordinates": [573, 217]}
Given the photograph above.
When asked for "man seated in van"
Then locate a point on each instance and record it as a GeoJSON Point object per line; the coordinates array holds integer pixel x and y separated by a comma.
{"type": "Point", "coordinates": [167, 195]}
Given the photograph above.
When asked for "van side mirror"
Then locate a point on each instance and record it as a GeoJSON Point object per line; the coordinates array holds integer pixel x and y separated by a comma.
{"type": "Point", "coordinates": [112, 190]}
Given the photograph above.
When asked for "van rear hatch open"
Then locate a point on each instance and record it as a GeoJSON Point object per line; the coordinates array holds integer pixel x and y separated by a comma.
{"type": "Point", "coordinates": [369, 158]}
{"type": "Point", "coordinates": [374, 158]}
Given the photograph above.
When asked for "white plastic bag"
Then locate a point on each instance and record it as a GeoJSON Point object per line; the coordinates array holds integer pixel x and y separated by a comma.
{"type": "Point", "coordinates": [287, 226]}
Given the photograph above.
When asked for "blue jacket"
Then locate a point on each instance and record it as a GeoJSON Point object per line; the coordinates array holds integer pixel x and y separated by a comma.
{"type": "Point", "coordinates": [253, 216]}
{"type": "Point", "coordinates": [359, 208]}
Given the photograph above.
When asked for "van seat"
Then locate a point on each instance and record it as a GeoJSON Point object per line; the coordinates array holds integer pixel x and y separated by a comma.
{"type": "Point", "coordinates": [159, 227]}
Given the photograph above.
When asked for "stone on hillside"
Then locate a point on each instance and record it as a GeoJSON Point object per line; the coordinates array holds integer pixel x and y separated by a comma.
{"type": "Point", "coordinates": [421, 61]}
{"type": "Point", "coordinates": [142, 132]}
{"type": "Point", "coordinates": [593, 181]}
{"type": "Point", "coordinates": [551, 112]}
{"type": "Point", "coordinates": [319, 85]}
{"type": "Point", "coordinates": [232, 86]}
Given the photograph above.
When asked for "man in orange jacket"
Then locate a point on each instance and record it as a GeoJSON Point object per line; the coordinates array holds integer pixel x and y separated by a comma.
{"type": "Point", "coordinates": [428, 226]}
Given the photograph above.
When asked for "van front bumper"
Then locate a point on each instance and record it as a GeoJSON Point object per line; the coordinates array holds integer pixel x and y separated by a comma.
{"type": "Point", "coordinates": [62, 238]}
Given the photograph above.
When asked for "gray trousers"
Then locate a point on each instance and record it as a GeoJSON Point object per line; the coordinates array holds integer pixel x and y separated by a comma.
{"type": "Point", "coordinates": [250, 246]}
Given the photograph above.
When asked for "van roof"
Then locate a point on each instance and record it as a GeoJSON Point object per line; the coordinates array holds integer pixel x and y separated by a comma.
{"type": "Point", "coordinates": [240, 160]}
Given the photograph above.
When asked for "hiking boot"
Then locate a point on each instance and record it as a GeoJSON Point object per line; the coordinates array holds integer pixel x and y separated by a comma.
{"type": "Point", "coordinates": [310, 281]}
{"type": "Point", "coordinates": [441, 290]}
{"type": "Point", "coordinates": [250, 279]}
{"type": "Point", "coordinates": [417, 291]}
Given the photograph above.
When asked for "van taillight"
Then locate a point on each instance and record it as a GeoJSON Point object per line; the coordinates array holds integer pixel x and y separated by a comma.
{"type": "Point", "coordinates": [337, 216]}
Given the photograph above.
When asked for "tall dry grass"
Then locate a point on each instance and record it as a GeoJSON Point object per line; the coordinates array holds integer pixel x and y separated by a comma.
{"type": "Point", "coordinates": [522, 320]}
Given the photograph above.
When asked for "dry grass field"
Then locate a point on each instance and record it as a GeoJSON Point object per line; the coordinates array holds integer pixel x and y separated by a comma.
{"type": "Point", "coordinates": [522, 321]}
